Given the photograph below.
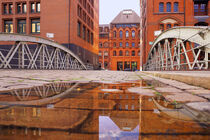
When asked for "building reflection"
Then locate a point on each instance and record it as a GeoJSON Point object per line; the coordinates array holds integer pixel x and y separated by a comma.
{"type": "Point", "coordinates": [76, 116]}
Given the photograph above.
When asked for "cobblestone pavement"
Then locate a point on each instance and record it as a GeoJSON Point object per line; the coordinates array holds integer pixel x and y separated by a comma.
{"type": "Point", "coordinates": [172, 90]}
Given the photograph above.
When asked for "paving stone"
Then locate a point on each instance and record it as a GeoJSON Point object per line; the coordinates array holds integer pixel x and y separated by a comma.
{"type": "Point", "coordinates": [199, 91]}
{"type": "Point", "coordinates": [168, 89]}
{"type": "Point", "coordinates": [207, 96]}
{"type": "Point", "coordinates": [142, 91]}
{"type": "Point", "coordinates": [185, 97]}
{"type": "Point", "coordinates": [202, 106]}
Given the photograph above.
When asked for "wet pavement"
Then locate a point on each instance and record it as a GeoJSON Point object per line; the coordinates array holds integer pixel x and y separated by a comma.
{"type": "Point", "coordinates": [110, 110]}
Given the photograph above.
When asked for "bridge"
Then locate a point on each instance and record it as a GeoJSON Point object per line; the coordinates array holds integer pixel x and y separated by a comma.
{"type": "Point", "coordinates": [31, 52]}
{"type": "Point", "coordinates": [180, 48]}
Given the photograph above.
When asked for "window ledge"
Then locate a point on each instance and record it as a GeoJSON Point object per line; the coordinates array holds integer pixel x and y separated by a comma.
{"type": "Point", "coordinates": [35, 33]}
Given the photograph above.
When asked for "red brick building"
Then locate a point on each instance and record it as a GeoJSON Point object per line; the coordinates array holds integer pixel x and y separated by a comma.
{"type": "Point", "coordinates": [104, 46]}
{"type": "Point", "coordinates": [159, 15]}
{"type": "Point", "coordinates": [73, 23]}
{"type": "Point", "coordinates": [123, 43]}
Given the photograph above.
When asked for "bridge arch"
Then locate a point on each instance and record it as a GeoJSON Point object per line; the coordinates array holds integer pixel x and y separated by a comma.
{"type": "Point", "coordinates": [31, 52]}
{"type": "Point", "coordinates": [180, 48]}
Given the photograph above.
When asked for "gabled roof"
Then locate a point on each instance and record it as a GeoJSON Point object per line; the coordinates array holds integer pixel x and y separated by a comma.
{"type": "Point", "coordinates": [125, 17]}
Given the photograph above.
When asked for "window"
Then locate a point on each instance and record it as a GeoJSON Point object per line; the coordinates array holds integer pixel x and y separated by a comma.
{"type": "Point", "coordinates": [100, 45]}
{"type": "Point", "coordinates": [32, 7]}
{"type": "Point", "coordinates": [126, 34]}
{"type": "Point", "coordinates": [84, 32]}
{"type": "Point", "coordinates": [121, 53]}
{"type": "Point", "coordinates": [127, 53]}
{"type": "Point", "coordinates": [176, 7]}
{"type": "Point", "coordinates": [88, 35]}
{"type": "Point", "coordinates": [24, 8]}
{"type": "Point", "coordinates": [161, 7]}
{"type": "Point", "coordinates": [21, 27]}
{"type": "Point", "coordinates": [91, 38]}
{"type": "Point", "coordinates": [100, 53]}
{"type": "Point", "coordinates": [21, 8]}
{"type": "Point", "coordinates": [133, 53]}
{"type": "Point", "coordinates": [127, 44]}
{"type": "Point", "coordinates": [121, 34]}
{"type": "Point", "coordinates": [114, 53]}
{"type": "Point", "coordinates": [79, 29]}
{"type": "Point", "coordinates": [133, 44]}
{"type": "Point", "coordinates": [10, 8]}
{"type": "Point", "coordinates": [38, 7]}
{"type": "Point", "coordinates": [5, 9]}
{"type": "Point", "coordinates": [161, 27]}
{"type": "Point", "coordinates": [8, 26]}
{"type": "Point", "coordinates": [120, 44]}
{"type": "Point", "coordinates": [168, 26]}
{"type": "Point", "coordinates": [139, 53]}
{"type": "Point", "coordinates": [200, 8]}
{"type": "Point", "coordinates": [35, 26]}
{"type": "Point", "coordinates": [133, 34]}
{"type": "Point", "coordinates": [168, 7]}
{"type": "Point", "coordinates": [114, 34]}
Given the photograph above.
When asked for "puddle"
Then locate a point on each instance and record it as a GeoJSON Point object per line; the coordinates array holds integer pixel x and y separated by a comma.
{"type": "Point", "coordinates": [96, 111]}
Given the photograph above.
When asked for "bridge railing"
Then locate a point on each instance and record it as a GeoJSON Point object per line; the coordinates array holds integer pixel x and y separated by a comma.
{"type": "Point", "coordinates": [181, 48]}
{"type": "Point", "coordinates": [30, 52]}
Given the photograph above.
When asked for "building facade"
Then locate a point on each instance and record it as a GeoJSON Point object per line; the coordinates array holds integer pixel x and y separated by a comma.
{"type": "Point", "coordinates": [123, 43]}
{"type": "Point", "coordinates": [159, 15]}
{"type": "Point", "coordinates": [73, 23]}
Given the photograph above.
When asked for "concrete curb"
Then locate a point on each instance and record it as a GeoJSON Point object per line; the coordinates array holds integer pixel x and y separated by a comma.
{"type": "Point", "coordinates": [191, 80]}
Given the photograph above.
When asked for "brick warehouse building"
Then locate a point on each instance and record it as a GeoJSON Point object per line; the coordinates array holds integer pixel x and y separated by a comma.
{"type": "Point", "coordinates": [159, 15]}
{"type": "Point", "coordinates": [123, 51]}
{"type": "Point", "coordinates": [73, 23]}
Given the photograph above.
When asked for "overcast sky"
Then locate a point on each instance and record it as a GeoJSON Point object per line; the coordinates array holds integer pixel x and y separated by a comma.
{"type": "Point", "coordinates": [109, 9]}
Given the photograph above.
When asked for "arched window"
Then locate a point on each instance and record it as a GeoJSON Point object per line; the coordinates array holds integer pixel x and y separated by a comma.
{"type": "Point", "coordinates": [133, 44]}
{"type": "Point", "coordinates": [127, 44]}
{"type": "Point", "coordinates": [168, 7]}
{"type": "Point", "coordinates": [120, 44]}
{"type": "Point", "coordinates": [127, 53]}
{"type": "Point", "coordinates": [133, 34]}
{"type": "Point", "coordinates": [161, 7]}
{"type": "Point", "coordinates": [114, 53]}
{"type": "Point", "coordinates": [133, 53]}
{"type": "Point", "coordinates": [121, 53]}
{"type": "Point", "coordinates": [121, 34]}
{"type": "Point", "coordinates": [176, 7]}
{"type": "Point", "coordinates": [139, 53]}
{"type": "Point", "coordinates": [126, 34]}
{"type": "Point", "coordinates": [114, 34]}
{"type": "Point", "coordinates": [100, 53]}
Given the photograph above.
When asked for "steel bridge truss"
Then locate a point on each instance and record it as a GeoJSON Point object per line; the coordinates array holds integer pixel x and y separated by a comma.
{"type": "Point", "coordinates": [181, 48]}
{"type": "Point", "coordinates": [29, 52]}
{"type": "Point", "coordinates": [40, 92]}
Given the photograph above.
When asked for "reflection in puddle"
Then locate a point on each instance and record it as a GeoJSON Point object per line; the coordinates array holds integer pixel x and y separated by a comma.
{"type": "Point", "coordinates": [93, 111]}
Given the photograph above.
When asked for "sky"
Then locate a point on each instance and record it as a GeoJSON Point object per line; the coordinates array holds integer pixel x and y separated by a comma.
{"type": "Point", "coordinates": [109, 9]}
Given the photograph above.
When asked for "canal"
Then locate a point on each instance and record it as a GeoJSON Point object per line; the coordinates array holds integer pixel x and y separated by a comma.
{"type": "Point", "coordinates": [105, 111]}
